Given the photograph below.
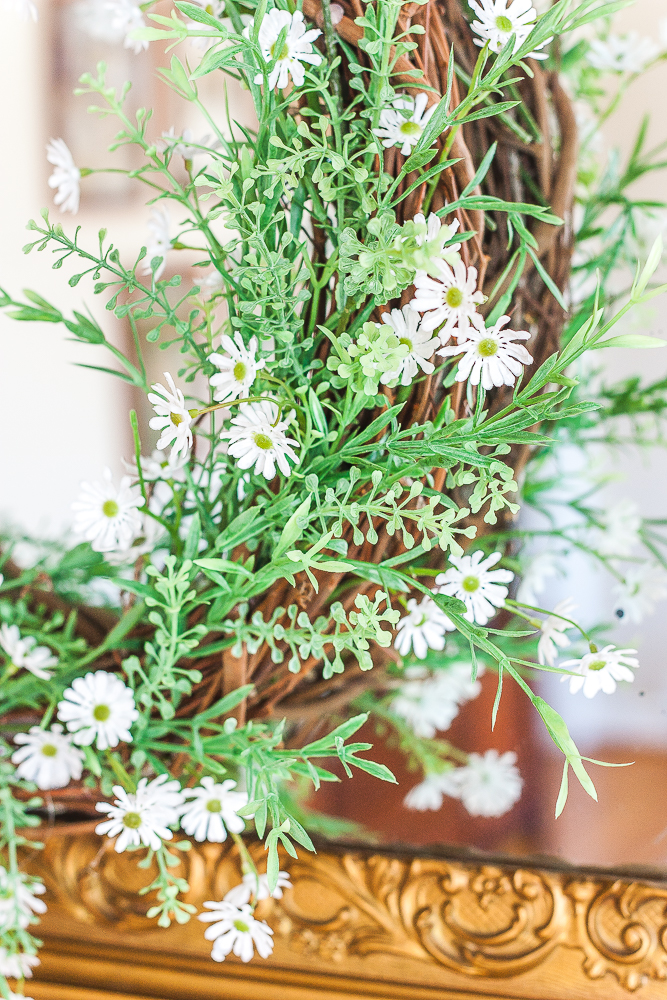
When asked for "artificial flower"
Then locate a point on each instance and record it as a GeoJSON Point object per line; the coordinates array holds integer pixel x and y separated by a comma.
{"type": "Point", "coordinates": [403, 123]}
{"type": "Point", "coordinates": [66, 177]}
{"type": "Point", "coordinates": [236, 930]}
{"type": "Point", "coordinates": [472, 580]}
{"type": "Point", "coordinates": [17, 965]}
{"type": "Point", "coordinates": [638, 593]}
{"type": "Point", "coordinates": [451, 298]}
{"type": "Point", "coordinates": [256, 886]}
{"type": "Point", "coordinates": [173, 419]}
{"type": "Point", "coordinates": [500, 19]}
{"type": "Point", "coordinates": [184, 145]}
{"type": "Point", "coordinates": [18, 900]}
{"type": "Point", "coordinates": [297, 47]}
{"type": "Point", "coordinates": [144, 816]}
{"type": "Point", "coordinates": [423, 628]}
{"type": "Point", "coordinates": [159, 244]}
{"type": "Point", "coordinates": [429, 793]}
{"type": "Point", "coordinates": [413, 334]}
{"type": "Point", "coordinates": [98, 707]}
{"type": "Point", "coordinates": [534, 577]}
{"type": "Point", "coordinates": [125, 17]}
{"type": "Point", "coordinates": [429, 701]}
{"type": "Point", "coordinates": [108, 517]}
{"type": "Point", "coordinates": [489, 354]}
{"type": "Point", "coordinates": [553, 631]}
{"type": "Point", "coordinates": [23, 652]}
{"type": "Point", "coordinates": [238, 368]}
{"type": "Point", "coordinates": [257, 438]}
{"type": "Point", "coordinates": [619, 529]}
{"type": "Point", "coordinates": [431, 236]}
{"type": "Point", "coordinates": [490, 783]}
{"type": "Point", "coordinates": [600, 670]}
{"type": "Point", "coordinates": [213, 810]}
{"type": "Point", "coordinates": [622, 53]}
{"type": "Point", "coordinates": [97, 20]}
{"type": "Point", "coordinates": [47, 757]}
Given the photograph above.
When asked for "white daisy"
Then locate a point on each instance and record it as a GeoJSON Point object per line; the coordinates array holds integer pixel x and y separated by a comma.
{"type": "Point", "coordinates": [599, 671]}
{"type": "Point", "coordinates": [108, 517]}
{"type": "Point", "coordinates": [553, 632]}
{"type": "Point", "coordinates": [534, 577]}
{"type": "Point", "coordinates": [24, 653]}
{"type": "Point", "coordinates": [619, 529]}
{"type": "Point", "coordinates": [213, 810]}
{"type": "Point", "coordinates": [159, 244]}
{"type": "Point", "coordinates": [472, 580]}
{"type": "Point", "coordinates": [18, 900]}
{"type": "Point", "coordinates": [429, 793]}
{"type": "Point", "coordinates": [256, 887]}
{"type": "Point", "coordinates": [489, 356]}
{"type": "Point", "coordinates": [238, 368]}
{"type": "Point", "coordinates": [144, 816]}
{"type": "Point", "coordinates": [217, 9]}
{"type": "Point", "coordinates": [413, 333]}
{"type": "Point", "coordinates": [17, 965]}
{"type": "Point", "coordinates": [150, 536]}
{"type": "Point", "coordinates": [124, 16]}
{"type": "Point", "coordinates": [96, 20]}
{"type": "Point", "coordinates": [429, 702]}
{"type": "Point", "coordinates": [622, 53]}
{"type": "Point", "coordinates": [210, 283]}
{"type": "Point", "coordinates": [24, 8]}
{"type": "Point", "coordinates": [236, 930]}
{"type": "Point", "coordinates": [47, 757]}
{"type": "Point", "coordinates": [499, 19]}
{"type": "Point", "coordinates": [436, 234]}
{"type": "Point", "coordinates": [403, 123]}
{"type": "Point", "coordinates": [255, 441]}
{"type": "Point", "coordinates": [451, 298]}
{"type": "Point", "coordinates": [184, 145]}
{"type": "Point", "coordinates": [173, 420]}
{"type": "Point", "coordinates": [423, 628]}
{"type": "Point", "coordinates": [636, 596]}
{"type": "Point", "coordinates": [98, 707]}
{"type": "Point", "coordinates": [296, 49]}
{"type": "Point", "coordinates": [65, 177]}
{"type": "Point", "coordinates": [489, 784]}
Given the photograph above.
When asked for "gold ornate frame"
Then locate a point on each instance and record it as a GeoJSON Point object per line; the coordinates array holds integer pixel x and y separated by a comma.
{"type": "Point", "coordinates": [359, 923]}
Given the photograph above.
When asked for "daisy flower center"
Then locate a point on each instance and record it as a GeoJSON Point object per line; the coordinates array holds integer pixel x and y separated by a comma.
{"type": "Point", "coordinates": [263, 441]}
{"type": "Point", "coordinates": [214, 806]}
{"type": "Point", "coordinates": [487, 347]}
{"type": "Point", "coordinates": [132, 821]}
{"type": "Point", "coordinates": [408, 343]}
{"type": "Point", "coordinates": [503, 23]}
{"type": "Point", "coordinates": [284, 52]}
{"type": "Point", "coordinates": [597, 665]}
{"type": "Point", "coordinates": [422, 621]}
{"type": "Point", "coordinates": [101, 713]}
{"type": "Point", "coordinates": [470, 584]}
{"type": "Point", "coordinates": [110, 508]}
{"type": "Point", "coordinates": [49, 750]}
{"type": "Point", "coordinates": [454, 298]}
{"type": "Point", "coordinates": [240, 926]}
{"type": "Point", "coordinates": [410, 129]}
{"type": "Point", "coordinates": [240, 371]}
{"type": "Point", "coordinates": [176, 419]}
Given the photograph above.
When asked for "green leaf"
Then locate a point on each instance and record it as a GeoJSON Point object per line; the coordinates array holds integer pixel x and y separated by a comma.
{"type": "Point", "coordinates": [634, 340]}
{"type": "Point", "coordinates": [482, 170]}
{"type": "Point", "coordinates": [294, 528]}
{"type": "Point", "coordinates": [224, 705]}
{"type": "Point", "coordinates": [191, 547]}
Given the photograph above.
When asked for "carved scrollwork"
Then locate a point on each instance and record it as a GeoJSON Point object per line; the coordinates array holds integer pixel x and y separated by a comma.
{"type": "Point", "coordinates": [479, 920]}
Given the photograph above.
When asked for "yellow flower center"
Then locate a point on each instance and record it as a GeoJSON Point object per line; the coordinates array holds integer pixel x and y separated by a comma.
{"type": "Point", "coordinates": [504, 24]}
{"type": "Point", "coordinates": [110, 508]}
{"type": "Point", "coordinates": [410, 129]}
{"type": "Point", "coordinates": [487, 347]}
{"type": "Point", "coordinates": [49, 750]}
{"type": "Point", "coordinates": [263, 441]}
{"type": "Point", "coordinates": [101, 713]}
{"type": "Point", "coordinates": [408, 343]}
{"type": "Point", "coordinates": [241, 926]}
{"type": "Point", "coordinates": [454, 298]}
{"type": "Point", "coordinates": [214, 805]}
{"type": "Point", "coordinates": [240, 371]}
{"type": "Point", "coordinates": [470, 584]}
{"type": "Point", "coordinates": [597, 665]}
{"type": "Point", "coordinates": [284, 52]}
{"type": "Point", "coordinates": [132, 821]}
{"type": "Point", "coordinates": [176, 419]}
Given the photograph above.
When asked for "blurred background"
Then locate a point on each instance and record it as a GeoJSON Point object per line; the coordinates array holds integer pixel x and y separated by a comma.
{"type": "Point", "coordinates": [62, 423]}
